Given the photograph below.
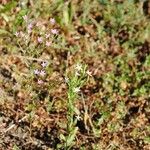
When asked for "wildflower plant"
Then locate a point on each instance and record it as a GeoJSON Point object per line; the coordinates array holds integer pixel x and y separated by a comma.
{"type": "Point", "coordinates": [35, 38]}
{"type": "Point", "coordinates": [75, 81]}
{"type": "Point", "coordinates": [40, 73]}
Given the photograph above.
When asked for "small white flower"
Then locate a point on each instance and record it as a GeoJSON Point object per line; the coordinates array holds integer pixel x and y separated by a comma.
{"type": "Point", "coordinates": [76, 90]}
{"type": "Point", "coordinates": [26, 37]}
{"type": "Point", "coordinates": [66, 79]}
{"type": "Point", "coordinates": [78, 117]}
{"type": "Point", "coordinates": [89, 73]}
{"type": "Point", "coordinates": [78, 67]}
{"type": "Point", "coordinates": [17, 34]}
{"type": "Point", "coordinates": [77, 73]}
{"type": "Point", "coordinates": [25, 18]}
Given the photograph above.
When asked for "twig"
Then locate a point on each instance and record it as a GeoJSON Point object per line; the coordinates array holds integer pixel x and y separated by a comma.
{"type": "Point", "coordinates": [13, 125]}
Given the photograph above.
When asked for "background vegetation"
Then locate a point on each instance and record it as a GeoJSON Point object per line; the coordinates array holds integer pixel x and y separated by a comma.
{"type": "Point", "coordinates": [80, 82]}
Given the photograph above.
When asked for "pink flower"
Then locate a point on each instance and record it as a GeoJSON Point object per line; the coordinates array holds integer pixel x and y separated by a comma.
{"type": "Point", "coordinates": [47, 35]}
{"type": "Point", "coordinates": [44, 64]}
{"type": "Point", "coordinates": [42, 73]}
{"type": "Point", "coordinates": [30, 26]}
{"type": "Point", "coordinates": [54, 31]}
{"type": "Point", "coordinates": [40, 81]}
{"type": "Point", "coordinates": [52, 21]}
{"type": "Point", "coordinates": [40, 39]}
{"type": "Point", "coordinates": [48, 43]}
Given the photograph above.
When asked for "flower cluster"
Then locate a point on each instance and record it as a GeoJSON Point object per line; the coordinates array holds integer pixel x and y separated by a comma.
{"type": "Point", "coordinates": [37, 36]}
{"type": "Point", "coordinates": [41, 73]}
{"type": "Point", "coordinates": [37, 33]}
{"type": "Point", "coordinates": [79, 69]}
{"type": "Point", "coordinates": [79, 72]}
